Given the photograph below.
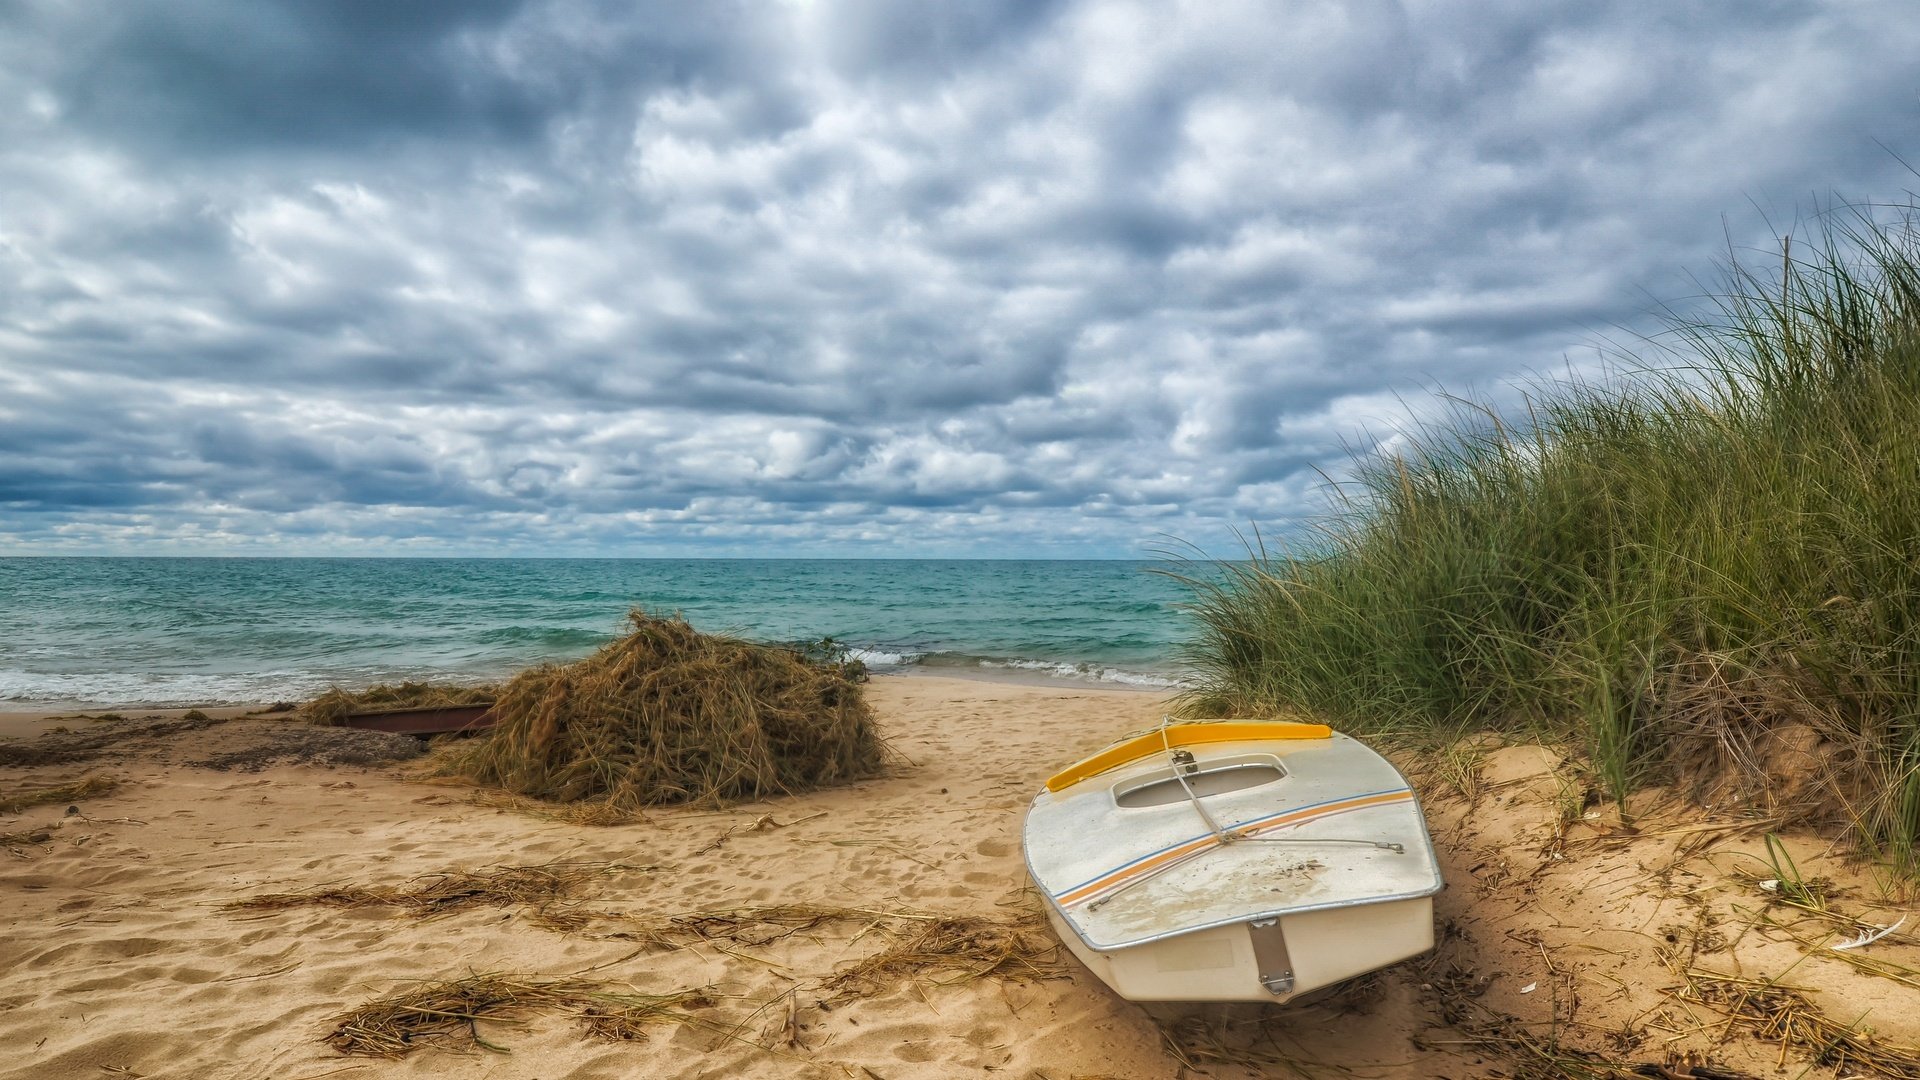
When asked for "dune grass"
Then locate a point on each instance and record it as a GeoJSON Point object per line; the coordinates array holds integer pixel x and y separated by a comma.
{"type": "Point", "coordinates": [1666, 568]}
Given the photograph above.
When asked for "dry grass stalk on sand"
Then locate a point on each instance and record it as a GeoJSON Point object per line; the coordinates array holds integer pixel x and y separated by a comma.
{"type": "Point", "coordinates": [668, 715]}
{"type": "Point", "coordinates": [62, 793]}
{"type": "Point", "coordinates": [1774, 1012]}
{"type": "Point", "coordinates": [951, 949]}
{"type": "Point", "coordinates": [332, 708]}
{"type": "Point", "coordinates": [942, 949]}
{"type": "Point", "coordinates": [453, 890]}
{"type": "Point", "coordinates": [747, 926]}
{"type": "Point", "coordinates": [401, 1023]}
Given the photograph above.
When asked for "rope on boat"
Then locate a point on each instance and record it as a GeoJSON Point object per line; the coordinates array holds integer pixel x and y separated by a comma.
{"type": "Point", "coordinates": [1225, 836]}
{"type": "Point", "coordinates": [1180, 770]}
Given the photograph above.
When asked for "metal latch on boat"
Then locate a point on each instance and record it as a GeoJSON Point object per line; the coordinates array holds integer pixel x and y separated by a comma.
{"type": "Point", "coordinates": [1270, 956]}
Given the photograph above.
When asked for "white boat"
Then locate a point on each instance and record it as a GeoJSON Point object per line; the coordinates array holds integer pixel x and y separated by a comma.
{"type": "Point", "coordinates": [1233, 861]}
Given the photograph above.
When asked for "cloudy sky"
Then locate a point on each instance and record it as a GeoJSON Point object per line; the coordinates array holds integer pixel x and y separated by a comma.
{"type": "Point", "coordinates": [848, 278]}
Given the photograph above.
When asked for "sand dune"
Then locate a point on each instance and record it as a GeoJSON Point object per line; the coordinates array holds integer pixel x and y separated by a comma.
{"type": "Point", "coordinates": [119, 959]}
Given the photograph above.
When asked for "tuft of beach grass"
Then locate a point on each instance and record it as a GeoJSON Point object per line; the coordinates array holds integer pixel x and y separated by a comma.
{"type": "Point", "coordinates": [1706, 571]}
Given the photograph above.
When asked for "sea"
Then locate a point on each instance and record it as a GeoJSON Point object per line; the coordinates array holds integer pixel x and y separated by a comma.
{"type": "Point", "coordinates": [160, 632]}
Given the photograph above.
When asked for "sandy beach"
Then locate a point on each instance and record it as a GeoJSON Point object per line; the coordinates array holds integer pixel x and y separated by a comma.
{"type": "Point", "coordinates": [1564, 930]}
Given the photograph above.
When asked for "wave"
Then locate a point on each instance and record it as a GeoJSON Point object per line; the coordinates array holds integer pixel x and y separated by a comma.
{"type": "Point", "coordinates": [161, 690]}
{"type": "Point", "coordinates": [1087, 672]}
{"type": "Point", "coordinates": [153, 690]}
{"type": "Point", "coordinates": [886, 659]}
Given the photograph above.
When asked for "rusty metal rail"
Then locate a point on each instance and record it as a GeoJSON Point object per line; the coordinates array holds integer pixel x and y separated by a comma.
{"type": "Point", "coordinates": [432, 721]}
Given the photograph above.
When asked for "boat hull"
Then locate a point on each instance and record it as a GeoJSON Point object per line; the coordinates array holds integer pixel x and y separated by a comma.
{"type": "Point", "coordinates": [1230, 865]}
{"type": "Point", "coordinates": [1222, 963]}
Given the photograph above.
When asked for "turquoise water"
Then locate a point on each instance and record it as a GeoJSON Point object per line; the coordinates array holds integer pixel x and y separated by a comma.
{"type": "Point", "coordinates": [155, 632]}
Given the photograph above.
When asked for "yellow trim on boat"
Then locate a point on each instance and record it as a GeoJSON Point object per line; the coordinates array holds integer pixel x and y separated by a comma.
{"type": "Point", "coordinates": [1184, 735]}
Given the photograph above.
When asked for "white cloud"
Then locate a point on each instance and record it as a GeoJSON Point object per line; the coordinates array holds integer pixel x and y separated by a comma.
{"type": "Point", "coordinates": [1002, 279]}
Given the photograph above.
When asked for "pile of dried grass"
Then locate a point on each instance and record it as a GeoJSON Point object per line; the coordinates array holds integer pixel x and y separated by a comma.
{"type": "Point", "coordinates": [400, 1023]}
{"type": "Point", "coordinates": [667, 714]}
{"type": "Point", "coordinates": [333, 707]}
{"type": "Point", "coordinates": [63, 793]}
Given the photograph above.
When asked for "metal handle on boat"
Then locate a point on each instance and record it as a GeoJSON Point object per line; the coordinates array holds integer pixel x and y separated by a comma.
{"type": "Point", "coordinates": [1270, 956]}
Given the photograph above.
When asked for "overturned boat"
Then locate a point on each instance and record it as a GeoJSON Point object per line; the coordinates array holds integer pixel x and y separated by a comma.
{"type": "Point", "coordinates": [1233, 861]}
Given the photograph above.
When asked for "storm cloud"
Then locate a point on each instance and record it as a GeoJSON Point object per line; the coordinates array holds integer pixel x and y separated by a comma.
{"type": "Point", "coordinates": [858, 278]}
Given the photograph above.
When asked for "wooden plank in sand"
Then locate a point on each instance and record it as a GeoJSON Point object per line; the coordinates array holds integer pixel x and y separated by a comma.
{"type": "Point", "coordinates": [437, 720]}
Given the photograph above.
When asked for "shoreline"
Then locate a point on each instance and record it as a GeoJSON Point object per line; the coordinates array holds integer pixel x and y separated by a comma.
{"type": "Point", "coordinates": [1022, 677]}
{"type": "Point", "coordinates": [997, 675]}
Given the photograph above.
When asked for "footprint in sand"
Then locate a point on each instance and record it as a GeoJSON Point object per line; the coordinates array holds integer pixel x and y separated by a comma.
{"type": "Point", "coordinates": [984, 1035]}
{"type": "Point", "coordinates": [913, 1051]}
{"type": "Point", "coordinates": [128, 948]}
{"type": "Point", "coordinates": [994, 849]}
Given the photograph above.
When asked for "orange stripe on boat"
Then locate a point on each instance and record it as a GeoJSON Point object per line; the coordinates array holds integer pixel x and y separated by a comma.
{"type": "Point", "coordinates": [1170, 857]}
{"type": "Point", "coordinates": [1184, 735]}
